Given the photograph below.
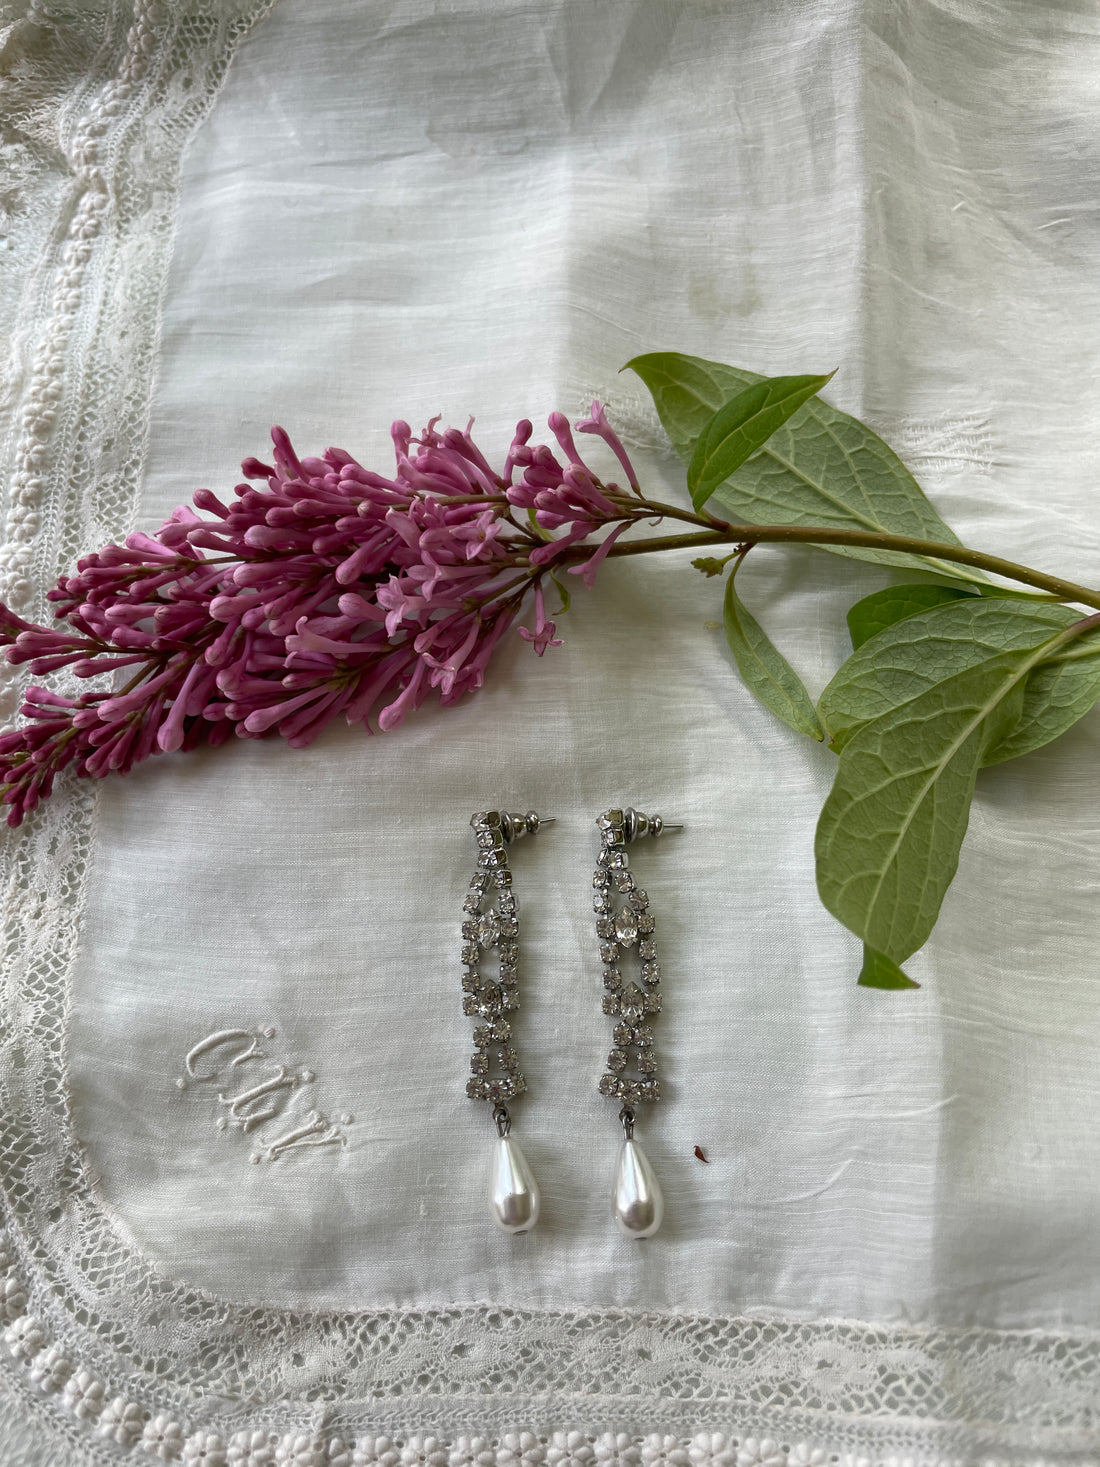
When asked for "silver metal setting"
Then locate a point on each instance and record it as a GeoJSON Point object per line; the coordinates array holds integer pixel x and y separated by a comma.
{"type": "Point", "coordinates": [625, 929]}
{"type": "Point", "coordinates": [491, 922]}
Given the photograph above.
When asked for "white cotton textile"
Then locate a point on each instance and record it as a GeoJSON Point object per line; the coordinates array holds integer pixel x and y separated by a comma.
{"type": "Point", "coordinates": [486, 208]}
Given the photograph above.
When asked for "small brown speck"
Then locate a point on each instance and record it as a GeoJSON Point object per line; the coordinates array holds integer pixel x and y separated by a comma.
{"type": "Point", "coordinates": [699, 1154]}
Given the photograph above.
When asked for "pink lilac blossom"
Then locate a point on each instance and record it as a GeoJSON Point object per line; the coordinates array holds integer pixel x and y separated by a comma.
{"type": "Point", "coordinates": [321, 589]}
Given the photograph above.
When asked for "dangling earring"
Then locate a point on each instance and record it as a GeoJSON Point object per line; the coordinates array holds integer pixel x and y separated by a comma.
{"type": "Point", "coordinates": [513, 1191]}
{"type": "Point", "coordinates": [637, 1202]}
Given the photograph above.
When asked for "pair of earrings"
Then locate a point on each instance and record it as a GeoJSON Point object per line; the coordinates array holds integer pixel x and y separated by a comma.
{"type": "Point", "coordinates": [624, 924]}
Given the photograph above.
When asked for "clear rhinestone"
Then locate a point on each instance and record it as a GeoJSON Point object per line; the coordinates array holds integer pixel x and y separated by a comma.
{"type": "Point", "coordinates": [642, 1036]}
{"type": "Point", "coordinates": [653, 1001]}
{"type": "Point", "coordinates": [626, 927]}
{"type": "Point", "coordinates": [479, 1064]}
{"type": "Point", "coordinates": [470, 1004]}
{"type": "Point", "coordinates": [647, 947]}
{"type": "Point", "coordinates": [472, 903]}
{"type": "Point", "coordinates": [600, 879]}
{"type": "Point", "coordinates": [480, 818]}
{"type": "Point", "coordinates": [651, 972]}
{"type": "Point", "coordinates": [648, 1090]}
{"type": "Point", "coordinates": [609, 952]}
{"type": "Point", "coordinates": [503, 878]}
{"type": "Point", "coordinates": [601, 901]}
{"type": "Point", "coordinates": [610, 1085]}
{"type": "Point", "coordinates": [509, 927]}
{"type": "Point", "coordinates": [609, 818]}
{"type": "Point", "coordinates": [646, 923]}
{"type": "Point", "coordinates": [492, 860]}
{"type": "Point", "coordinates": [625, 882]}
{"type": "Point", "coordinates": [519, 1084]}
{"type": "Point", "coordinates": [470, 953]}
{"type": "Point", "coordinates": [613, 860]}
{"type": "Point", "coordinates": [623, 1034]}
{"type": "Point", "coordinates": [490, 1002]}
{"type": "Point", "coordinates": [488, 929]}
{"type": "Point", "coordinates": [633, 1004]}
{"type": "Point", "coordinates": [639, 900]}
{"type": "Point", "coordinates": [469, 930]}
{"type": "Point", "coordinates": [508, 972]}
{"type": "Point", "coordinates": [477, 1089]}
{"type": "Point", "coordinates": [507, 1058]}
{"type": "Point", "coordinates": [605, 927]}
{"type": "Point", "coordinates": [616, 1060]}
{"type": "Point", "coordinates": [612, 979]}
{"type": "Point", "coordinates": [506, 904]}
{"type": "Point", "coordinates": [611, 1003]}
{"type": "Point", "coordinates": [498, 1033]}
{"type": "Point", "coordinates": [471, 981]}
{"type": "Point", "coordinates": [628, 1092]}
{"type": "Point", "coordinates": [496, 1091]}
{"type": "Point", "coordinates": [511, 999]}
{"type": "Point", "coordinates": [509, 952]}
{"type": "Point", "coordinates": [479, 881]}
{"type": "Point", "coordinates": [647, 1062]}
{"type": "Point", "coordinates": [490, 840]}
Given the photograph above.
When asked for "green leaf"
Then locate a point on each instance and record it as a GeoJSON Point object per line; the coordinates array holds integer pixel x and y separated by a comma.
{"type": "Point", "coordinates": [1057, 694]}
{"type": "Point", "coordinates": [822, 467]}
{"type": "Point", "coordinates": [742, 426]}
{"type": "Point", "coordinates": [893, 604]}
{"type": "Point", "coordinates": [909, 658]}
{"type": "Point", "coordinates": [767, 673]}
{"type": "Point", "coordinates": [879, 972]}
{"type": "Point", "coordinates": [890, 832]}
{"type": "Point", "coordinates": [687, 392]}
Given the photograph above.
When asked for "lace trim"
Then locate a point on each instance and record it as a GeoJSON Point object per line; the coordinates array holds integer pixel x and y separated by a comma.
{"type": "Point", "coordinates": [829, 1392]}
{"type": "Point", "coordinates": [100, 1354]}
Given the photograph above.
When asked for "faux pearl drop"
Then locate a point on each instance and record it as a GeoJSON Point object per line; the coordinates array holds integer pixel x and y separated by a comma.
{"type": "Point", "coordinates": [637, 1200]}
{"type": "Point", "coordinates": [513, 1191]}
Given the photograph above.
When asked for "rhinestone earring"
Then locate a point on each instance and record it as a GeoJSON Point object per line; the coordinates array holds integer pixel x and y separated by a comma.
{"type": "Point", "coordinates": [513, 1191]}
{"type": "Point", "coordinates": [637, 1202]}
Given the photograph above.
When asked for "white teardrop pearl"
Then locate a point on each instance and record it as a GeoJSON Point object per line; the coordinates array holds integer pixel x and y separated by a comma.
{"type": "Point", "coordinates": [513, 1191]}
{"type": "Point", "coordinates": [637, 1200]}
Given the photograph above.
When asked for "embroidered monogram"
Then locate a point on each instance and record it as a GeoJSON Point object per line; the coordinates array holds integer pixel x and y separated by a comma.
{"type": "Point", "coordinates": [267, 1099]}
{"type": "Point", "coordinates": [215, 1041]}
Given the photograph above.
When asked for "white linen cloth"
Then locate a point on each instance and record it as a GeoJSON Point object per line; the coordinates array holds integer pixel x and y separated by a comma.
{"type": "Point", "coordinates": [482, 208]}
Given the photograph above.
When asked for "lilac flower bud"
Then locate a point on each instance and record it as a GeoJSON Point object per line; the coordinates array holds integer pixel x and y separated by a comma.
{"type": "Point", "coordinates": [329, 590]}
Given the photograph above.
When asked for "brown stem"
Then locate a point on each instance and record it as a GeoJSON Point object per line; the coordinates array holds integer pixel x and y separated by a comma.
{"type": "Point", "coordinates": [865, 539]}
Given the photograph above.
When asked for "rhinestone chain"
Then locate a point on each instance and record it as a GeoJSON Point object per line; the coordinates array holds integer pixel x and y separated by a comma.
{"type": "Point", "coordinates": [481, 930]}
{"type": "Point", "coordinates": [634, 1002]}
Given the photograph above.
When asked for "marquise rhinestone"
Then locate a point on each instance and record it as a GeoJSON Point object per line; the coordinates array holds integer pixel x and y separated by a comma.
{"type": "Point", "coordinates": [488, 929]}
{"type": "Point", "coordinates": [627, 925]}
{"type": "Point", "coordinates": [632, 1004]}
